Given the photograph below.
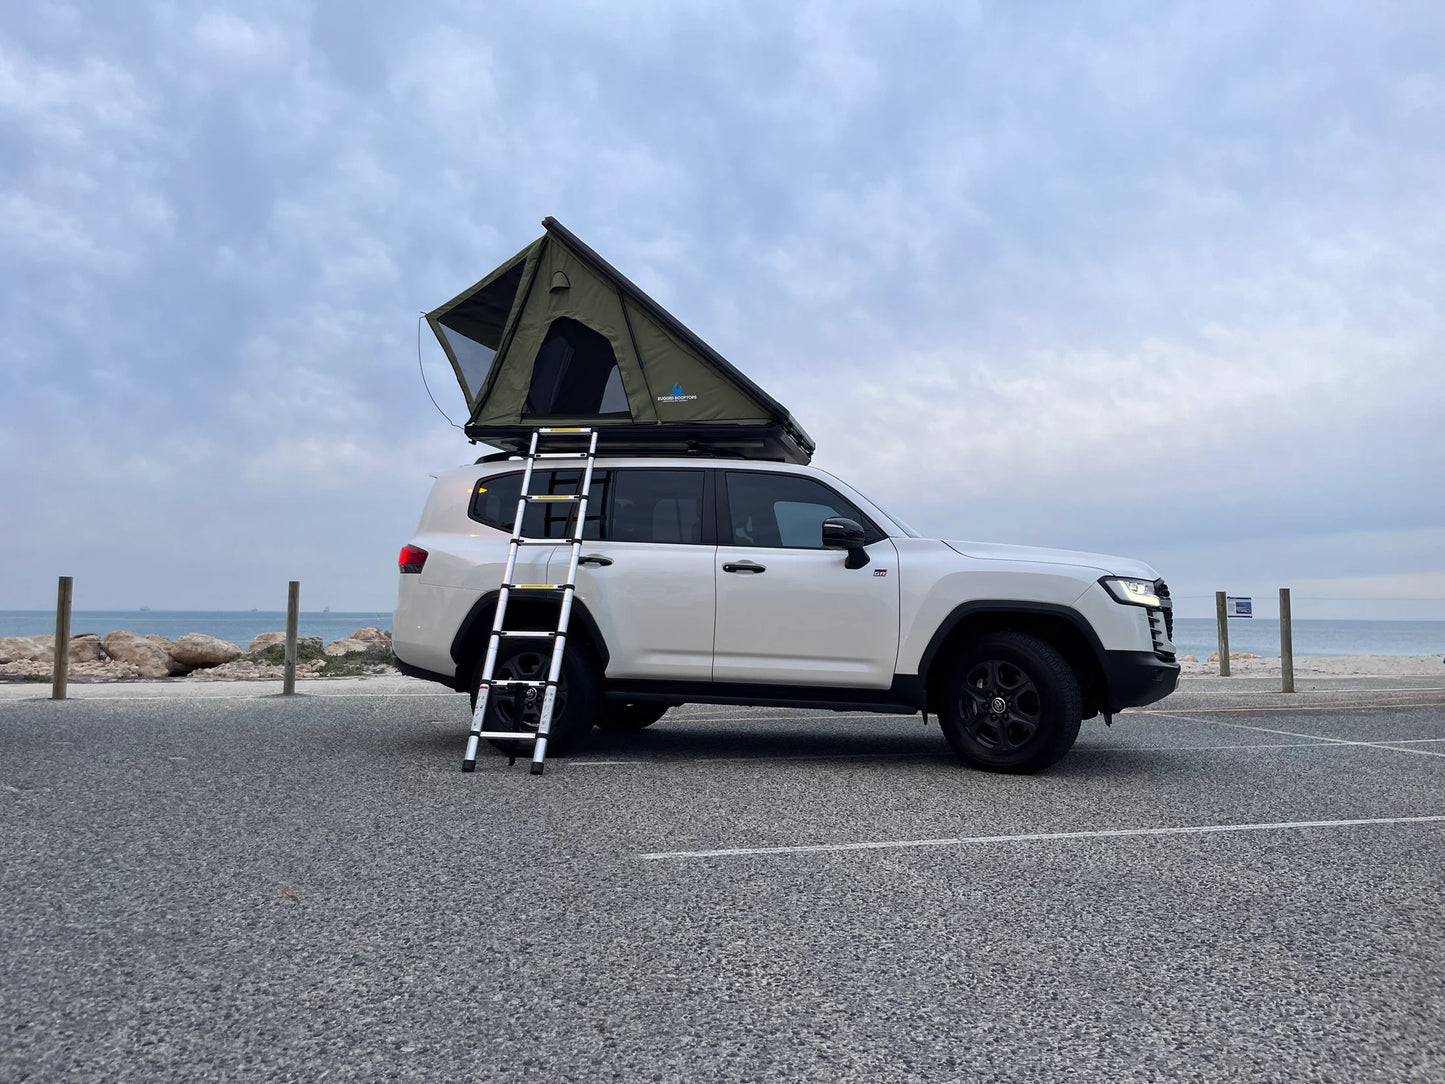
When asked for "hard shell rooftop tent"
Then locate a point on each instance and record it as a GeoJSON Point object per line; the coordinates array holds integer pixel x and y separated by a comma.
{"type": "Point", "coordinates": [557, 336]}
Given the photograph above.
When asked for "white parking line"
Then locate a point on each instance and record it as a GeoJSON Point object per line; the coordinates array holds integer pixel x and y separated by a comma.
{"type": "Point", "coordinates": [1035, 837]}
{"type": "Point", "coordinates": [1297, 734]}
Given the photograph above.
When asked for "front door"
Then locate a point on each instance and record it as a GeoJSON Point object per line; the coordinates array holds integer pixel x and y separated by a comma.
{"type": "Point", "coordinates": [788, 611]}
{"type": "Point", "coordinates": [646, 576]}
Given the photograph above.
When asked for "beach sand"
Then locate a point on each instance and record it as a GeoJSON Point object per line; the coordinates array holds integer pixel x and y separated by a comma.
{"type": "Point", "coordinates": [1241, 665]}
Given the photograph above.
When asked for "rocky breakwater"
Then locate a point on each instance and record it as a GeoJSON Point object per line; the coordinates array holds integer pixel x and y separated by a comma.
{"type": "Point", "coordinates": [125, 655]}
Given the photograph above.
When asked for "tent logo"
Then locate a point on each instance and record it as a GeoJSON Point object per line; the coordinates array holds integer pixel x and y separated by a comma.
{"type": "Point", "coordinates": [677, 396]}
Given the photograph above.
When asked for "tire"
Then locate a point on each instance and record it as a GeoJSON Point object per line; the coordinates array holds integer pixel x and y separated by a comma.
{"type": "Point", "coordinates": [634, 716]}
{"type": "Point", "coordinates": [1037, 691]}
{"type": "Point", "coordinates": [578, 697]}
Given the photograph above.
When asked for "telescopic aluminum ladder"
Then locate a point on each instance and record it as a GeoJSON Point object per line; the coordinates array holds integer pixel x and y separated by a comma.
{"type": "Point", "coordinates": [568, 588]}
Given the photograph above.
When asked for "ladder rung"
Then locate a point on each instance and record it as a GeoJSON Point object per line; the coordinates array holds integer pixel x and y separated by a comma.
{"type": "Point", "coordinates": [521, 634]}
{"type": "Point", "coordinates": [540, 541]}
{"type": "Point", "coordinates": [513, 735]}
{"type": "Point", "coordinates": [552, 496]}
{"type": "Point", "coordinates": [501, 684]}
{"type": "Point", "coordinates": [540, 586]}
{"type": "Point", "coordinates": [556, 430]}
{"type": "Point", "coordinates": [561, 455]}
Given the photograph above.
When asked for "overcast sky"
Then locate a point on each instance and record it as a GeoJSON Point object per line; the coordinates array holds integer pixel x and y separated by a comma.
{"type": "Point", "coordinates": [1165, 280]}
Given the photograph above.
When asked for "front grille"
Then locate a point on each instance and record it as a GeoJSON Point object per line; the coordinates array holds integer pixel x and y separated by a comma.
{"type": "Point", "coordinates": [1161, 623]}
{"type": "Point", "coordinates": [1162, 590]}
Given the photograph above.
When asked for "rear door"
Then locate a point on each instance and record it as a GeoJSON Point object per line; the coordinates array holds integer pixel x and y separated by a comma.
{"type": "Point", "coordinates": [646, 573]}
{"type": "Point", "coordinates": [788, 611]}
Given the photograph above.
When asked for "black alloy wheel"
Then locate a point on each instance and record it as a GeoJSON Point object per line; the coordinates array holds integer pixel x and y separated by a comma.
{"type": "Point", "coordinates": [1011, 704]}
{"type": "Point", "coordinates": [999, 705]}
{"type": "Point", "coordinates": [520, 708]}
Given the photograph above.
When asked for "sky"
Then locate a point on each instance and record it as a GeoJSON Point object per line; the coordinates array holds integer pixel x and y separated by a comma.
{"type": "Point", "coordinates": [1165, 280]}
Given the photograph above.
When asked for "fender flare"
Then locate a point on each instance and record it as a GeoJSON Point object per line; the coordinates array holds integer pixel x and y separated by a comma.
{"type": "Point", "coordinates": [477, 625]}
{"type": "Point", "coordinates": [989, 606]}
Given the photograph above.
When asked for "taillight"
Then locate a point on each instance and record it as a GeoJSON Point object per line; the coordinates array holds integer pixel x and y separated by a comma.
{"type": "Point", "coordinates": [411, 559]}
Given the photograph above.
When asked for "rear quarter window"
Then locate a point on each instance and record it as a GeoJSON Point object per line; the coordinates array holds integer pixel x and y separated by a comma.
{"type": "Point", "coordinates": [494, 502]}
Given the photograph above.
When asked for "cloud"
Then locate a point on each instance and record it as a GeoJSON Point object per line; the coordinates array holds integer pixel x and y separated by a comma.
{"type": "Point", "coordinates": [1146, 281]}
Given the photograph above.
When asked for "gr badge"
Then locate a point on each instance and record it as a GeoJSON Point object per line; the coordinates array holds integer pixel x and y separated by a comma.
{"type": "Point", "coordinates": [880, 572]}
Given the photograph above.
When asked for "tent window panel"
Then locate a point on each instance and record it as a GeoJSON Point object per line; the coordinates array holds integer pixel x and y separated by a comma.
{"type": "Point", "coordinates": [474, 360]}
{"type": "Point", "coordinates": [575, 373]}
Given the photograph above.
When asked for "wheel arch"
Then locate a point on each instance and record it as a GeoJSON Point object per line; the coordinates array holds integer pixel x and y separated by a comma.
{"type": "Point", "coordinates": [537, 611]}
{"type": "Point", "coordinates": [1063, 627]}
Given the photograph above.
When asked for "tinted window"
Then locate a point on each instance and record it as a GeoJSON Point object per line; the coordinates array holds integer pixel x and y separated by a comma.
{"type": "Point", "coordinates": [495, 503]}
{"type": "Point", "coordinates": [783, 510]}
{"type": "Point", "coordinates": [656, 506]}
{"type": "Point", "coordinates": [575, 373]}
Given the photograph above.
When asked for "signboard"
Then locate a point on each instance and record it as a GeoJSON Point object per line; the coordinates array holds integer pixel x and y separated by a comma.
{"type": "Point", "coordinates": [1239, 607]}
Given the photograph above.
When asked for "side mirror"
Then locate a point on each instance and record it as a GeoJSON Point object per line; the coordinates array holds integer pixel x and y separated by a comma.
{"type": "Point", "coordinates": [845, 534]}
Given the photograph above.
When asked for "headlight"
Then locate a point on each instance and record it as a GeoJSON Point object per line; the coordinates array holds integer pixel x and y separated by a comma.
{"type": "Point", "coordinates": [1131, 591]}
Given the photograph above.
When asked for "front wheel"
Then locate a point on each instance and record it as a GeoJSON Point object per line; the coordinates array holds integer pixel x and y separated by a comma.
{"type": "Point", "coordinates": [1011, 704]}
{"type": "Point", "coordinates": [520, 709]}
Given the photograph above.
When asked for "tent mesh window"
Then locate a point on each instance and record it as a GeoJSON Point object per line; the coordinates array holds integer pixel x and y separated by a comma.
{"type": "Point", "coordinates": [474, 328]}
{"type": "Point", "coordinates": [575, 374]}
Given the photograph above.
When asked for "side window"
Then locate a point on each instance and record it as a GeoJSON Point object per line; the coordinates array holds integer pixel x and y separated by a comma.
{"type": "Point", "coordinates": [495, 503]}
{"type": "Point", "coordinates": [656, 506]}
{"type": "Point", "coordinates": [575, 372]}
{"type": "Point", "coordinates": [784, 510]}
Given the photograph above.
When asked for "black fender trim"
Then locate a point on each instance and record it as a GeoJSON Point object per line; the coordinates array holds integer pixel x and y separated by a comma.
{"type": "Point", "coordinates": [426, 675]}
{"type": "Point", "coordinates": [988, 606]}
{"type": "Point", "coordinates": [477, 626]}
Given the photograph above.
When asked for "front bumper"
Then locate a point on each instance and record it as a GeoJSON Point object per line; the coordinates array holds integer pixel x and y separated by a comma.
{"type": "Point", "coordinates": [1135, 678]}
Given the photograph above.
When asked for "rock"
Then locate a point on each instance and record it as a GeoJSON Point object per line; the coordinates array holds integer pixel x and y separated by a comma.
{"type": "Point", "coordinates": [196, 649]}
{"type": "Point", "coordinates": [371, 635]}
{"type": "Point", "coordinates": [248, 669]}
{"type": "Point", "coordinates": [85, 648]}
{"type": "Point", "coordinates": [104, 668]}
{"type": "Point", "coordinates": [1232, 656]}
{"type": "Point", "coordinates": [149, 658]}
{"type": "Point", "coordinates": [160, 641]}
{"type": "Point", "coordinates": [352, 646]}
{"type": "Point", "coordinates": [23, 649]}
{"type": "Point", "coordinates": [313, 644]}
{"type": "Point", "coordinates": [1188, 658]}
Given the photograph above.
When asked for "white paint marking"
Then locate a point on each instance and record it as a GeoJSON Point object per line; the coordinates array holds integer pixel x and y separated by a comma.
{"type": "Point", "coordinates": [1035, 837]}
{"type": "Point", "coordinates": [1297, 734]}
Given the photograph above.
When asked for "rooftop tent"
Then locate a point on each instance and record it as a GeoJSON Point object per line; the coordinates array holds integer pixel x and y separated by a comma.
{"type": "Point", "coordinates": [557, 336]}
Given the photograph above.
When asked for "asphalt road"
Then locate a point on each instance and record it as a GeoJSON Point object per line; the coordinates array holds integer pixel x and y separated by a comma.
{"type": "Point", "coordinates": [309, 889]}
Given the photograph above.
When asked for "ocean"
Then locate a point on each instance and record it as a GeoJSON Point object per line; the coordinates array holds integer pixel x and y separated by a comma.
{"type": "Point", "coordinates": [238, 626]}
{"type": "Point", "coordinates": [1260, 636]}
{"type": "Point", "coordinates": [1192, 636]}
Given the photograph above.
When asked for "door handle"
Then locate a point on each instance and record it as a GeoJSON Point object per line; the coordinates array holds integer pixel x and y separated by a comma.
{"type": "Point", "coordinates": [594, 559]}
{"type": "Point", "coordinates": [744, 566]}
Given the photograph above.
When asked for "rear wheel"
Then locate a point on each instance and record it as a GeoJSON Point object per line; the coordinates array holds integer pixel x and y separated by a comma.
{"type": "Point", "coordinates": [632, 716]}
{"type": "Point", "coordinates": [1011, 704]}
{"type": "Point", "coordinates": [520, 709]}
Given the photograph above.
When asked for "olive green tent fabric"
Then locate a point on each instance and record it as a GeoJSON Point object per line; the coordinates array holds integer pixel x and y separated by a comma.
{"type": "Point", "coordinates": [556, 336]}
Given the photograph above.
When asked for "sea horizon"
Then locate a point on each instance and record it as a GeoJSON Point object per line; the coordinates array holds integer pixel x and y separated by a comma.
{"type": "Point", "coordinates": [239, 627]}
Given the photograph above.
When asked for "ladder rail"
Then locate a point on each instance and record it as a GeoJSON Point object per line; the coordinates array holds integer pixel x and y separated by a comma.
{"type": "Point", "coordinates": [487, 681]}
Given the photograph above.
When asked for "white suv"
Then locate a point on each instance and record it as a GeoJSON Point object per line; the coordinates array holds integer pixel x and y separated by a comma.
{"type": "Point", "coordinates": [731, 581]}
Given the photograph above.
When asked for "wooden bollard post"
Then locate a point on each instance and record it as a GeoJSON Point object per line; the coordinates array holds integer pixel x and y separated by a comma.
{"type": "Point", "coordinates": [1221, 613]}
{"type": "Point", "coordinates": [293, 616]}
{"type": "Point", "coordinates": [60, 674]}
{"type": "Point", "coordinates": [1286, 643]}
